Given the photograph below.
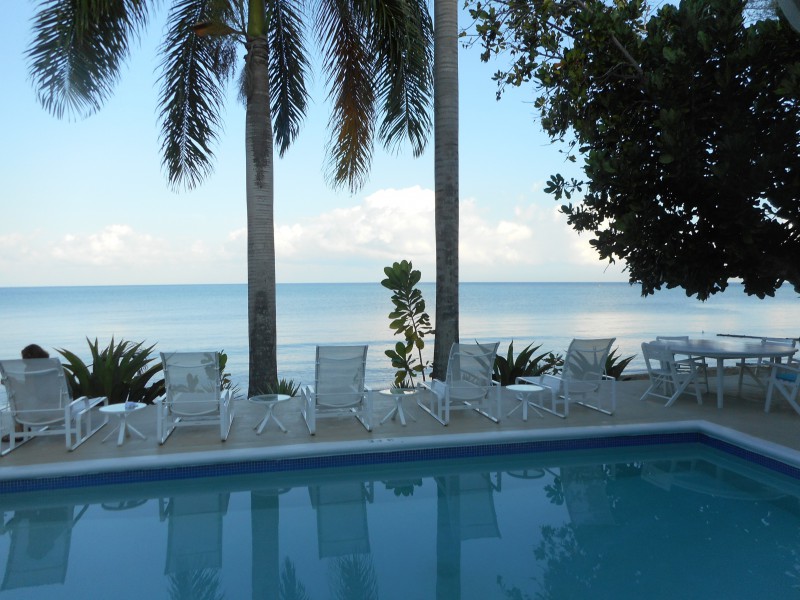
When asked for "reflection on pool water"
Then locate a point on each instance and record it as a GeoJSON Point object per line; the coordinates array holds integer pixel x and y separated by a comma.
{"type": "Point", "coordinates": [681, 521]}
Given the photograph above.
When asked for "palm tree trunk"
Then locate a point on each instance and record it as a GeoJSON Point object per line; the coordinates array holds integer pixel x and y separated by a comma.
{"type": "Point", "coordinates": [260, 222]}
{"type": "Point", "coordinates": [445, 114]}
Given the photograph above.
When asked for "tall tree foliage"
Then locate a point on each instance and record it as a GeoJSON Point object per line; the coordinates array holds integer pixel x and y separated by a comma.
{"type": "Point", "coordinates": [688, 126]}
{"type": "Point", "coordinates": [377, 61]}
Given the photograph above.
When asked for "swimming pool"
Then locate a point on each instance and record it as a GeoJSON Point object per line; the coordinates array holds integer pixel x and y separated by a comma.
{"type": "Point", "coordinates": [676, 520]}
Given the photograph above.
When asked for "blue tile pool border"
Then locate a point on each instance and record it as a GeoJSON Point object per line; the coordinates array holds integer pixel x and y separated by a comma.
{"type": "Point", "coordinates": [338, 460]}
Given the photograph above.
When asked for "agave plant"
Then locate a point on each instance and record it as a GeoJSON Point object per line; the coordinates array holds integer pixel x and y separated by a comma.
{"type": "Point", "coordinates": [285, 386]}
{"type": "Point", "coordinates": [615, 365]}
{"type": "Point", "coordinates": [122, 371]}
{"type": "Point", "coordinates": [507, 368]}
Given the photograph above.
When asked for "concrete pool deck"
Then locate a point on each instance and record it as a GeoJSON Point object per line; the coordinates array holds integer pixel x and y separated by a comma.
{"type": "Point", "coordinates": [777, 432]}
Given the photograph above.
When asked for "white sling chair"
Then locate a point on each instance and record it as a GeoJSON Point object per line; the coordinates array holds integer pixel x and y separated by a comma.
{"type": "Point", "coordinates": [467, 386]}
{"type": "Point", "coordinates": [338, 388]}
{"type": "Point", "coordinates": [193, 394]}
{"type": "Point", "coordinates": [583, 374]}
{"type": "Point", "coordinates": [667, 380]}
{"type": "Point", "coordinates": [39, 401]}
{"type": "Point", "coordinates": [784, 379]}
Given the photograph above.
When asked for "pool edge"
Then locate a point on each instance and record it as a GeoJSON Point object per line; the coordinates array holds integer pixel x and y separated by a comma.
{"type": "Point", "coordinates": [725, 435]}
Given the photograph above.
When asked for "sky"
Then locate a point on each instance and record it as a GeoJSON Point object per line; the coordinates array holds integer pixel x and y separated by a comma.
{"type": "Point", "coordinates": [87, 202]}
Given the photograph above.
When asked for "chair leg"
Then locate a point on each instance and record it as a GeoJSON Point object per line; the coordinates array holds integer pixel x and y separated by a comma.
{"type": "Point", "coordinates": [771, 387]}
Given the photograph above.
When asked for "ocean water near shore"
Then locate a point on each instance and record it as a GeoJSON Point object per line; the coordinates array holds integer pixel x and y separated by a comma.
{"type": "Point", "coordinates": [214, 317]}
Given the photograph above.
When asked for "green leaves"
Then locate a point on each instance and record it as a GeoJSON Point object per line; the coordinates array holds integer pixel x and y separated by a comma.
{"type": "Point", "coordinates": [507, 368]}
{"type": "Point", "coordinates": [121, 371]}
{"type": "Point", "coordinates": [615, 364]}
{"type": "Point", "coordinates": [408, 319]}
{"type": "Point", "coordinates": [194, 71]}
{"type": "Point", "coordinates": [77, 50]}
{"type": "Point", "coordinates": [688, 124]}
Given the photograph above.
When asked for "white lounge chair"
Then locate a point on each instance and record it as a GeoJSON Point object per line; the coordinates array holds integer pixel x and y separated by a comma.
{"type": "Point", "coordinates": [39, 401]}
{"type": "Point", "coordinates": [667, 380]}
{"type": "Point", "coordinates": [784, 379]}
{"type": "Point", "coordinates": [193, 394]}
{"type": "Point", "coordinates": [338, 388]}
{"type": "Point", "coordinates": [582, 374]}
{"type": "Point", "coordinates": [467, 386]}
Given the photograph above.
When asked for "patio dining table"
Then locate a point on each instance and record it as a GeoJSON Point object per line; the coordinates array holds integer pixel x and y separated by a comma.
{"type": "Point", "coordinates": [729, 349]}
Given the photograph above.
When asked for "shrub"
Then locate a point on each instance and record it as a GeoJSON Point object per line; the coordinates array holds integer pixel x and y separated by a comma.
{"type": "Point", "coordinates": [408, 319]}
{"type": "Point", "coordinates": [120, 372]}
{"type": "Point", "coordinates": [507, 369]}
{"type": "Point", "coordinates": [225, 378]}
{"type": "Point", "coordinates": [616, 365]}
{"type": "Point", "coordinates": [285, 386]}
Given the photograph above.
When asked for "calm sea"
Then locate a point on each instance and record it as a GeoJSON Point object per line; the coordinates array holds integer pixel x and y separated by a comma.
{"type": "Point", "coordinates": [214, 317]}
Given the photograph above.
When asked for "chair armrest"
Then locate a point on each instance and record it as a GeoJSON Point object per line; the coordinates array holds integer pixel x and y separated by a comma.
{"type": "Point", "coordinates": [552, 379]}
{"type": "Point", "coordinates": [82, 405]}
{"type": "Point", "coordinates": [307, 391]}
{"type": "Point", "coordinates": [435, 386]}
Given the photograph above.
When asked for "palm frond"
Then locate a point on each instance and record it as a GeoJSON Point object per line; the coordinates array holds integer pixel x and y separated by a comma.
{"type": "Point", "coordinates": [349, 68]}
{"type": "Point", "coordinates": [291, 588]}
{"type": "Point", "coordinates": [195, 70]}
{"type": "Point", "coordinates": [78, 48]}
{"type": "Point", "coordinates": [288, 65]}
{"type": "Point", "coordinates": [403, 39]}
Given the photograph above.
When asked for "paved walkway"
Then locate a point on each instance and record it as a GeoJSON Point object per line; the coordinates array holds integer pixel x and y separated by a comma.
{"type": "Point", "coordinates": [47, 456]}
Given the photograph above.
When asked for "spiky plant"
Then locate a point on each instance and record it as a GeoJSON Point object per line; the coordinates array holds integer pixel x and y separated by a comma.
{"type": "Point", "coordinates": [121, 371]}
{"type": "Point", "coordinates": [507, 368]}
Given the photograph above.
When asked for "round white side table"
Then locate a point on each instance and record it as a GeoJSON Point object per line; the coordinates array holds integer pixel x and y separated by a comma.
{"type": "Point", "coordinates": [270, 401]}
{"type": "Point", "coordinates": [121, 411]}
{"type": "Point", "coordinates": [397, 395]}
{"type": "Point", "coordinates": [523, 392]}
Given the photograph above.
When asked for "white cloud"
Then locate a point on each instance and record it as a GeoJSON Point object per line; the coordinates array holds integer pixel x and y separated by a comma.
{"type": "Point", "coordinates": [351, 243]}
{"type": "Point", "coordinates": [534, 243]}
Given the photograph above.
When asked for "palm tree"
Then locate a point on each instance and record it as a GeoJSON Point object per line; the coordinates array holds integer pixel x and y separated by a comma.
{"type": "Point", "coordinates": [446, 180]}
{"type": "Point", "coordinates": [376, 59]}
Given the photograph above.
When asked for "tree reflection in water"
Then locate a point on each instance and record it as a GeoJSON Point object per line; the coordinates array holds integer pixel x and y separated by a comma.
{"type": "Point", "coordinates": [195, 584]}
{"type": "Point", "coordinates": [355, 577]}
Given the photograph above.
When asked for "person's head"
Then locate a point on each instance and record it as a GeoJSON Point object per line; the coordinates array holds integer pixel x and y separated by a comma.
{"type": "Point", "coordinates": [34, 351]}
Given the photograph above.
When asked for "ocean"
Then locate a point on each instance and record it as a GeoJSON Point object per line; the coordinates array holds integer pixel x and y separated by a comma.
{"type": "Point", "coordinates": [214, 317]}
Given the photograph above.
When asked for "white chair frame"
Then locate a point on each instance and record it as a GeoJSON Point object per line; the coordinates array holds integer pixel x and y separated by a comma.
{"type": "Point", "coordinates": [682, 363]}
{"type": "Point", "coordinates": [465, 388]}
{"type": "Point", "coordinates": [211, 406]}
{"type": "Point", "coordinates": [338, 389]}
{"type": "Point", "coordinates": [57, 414]}
{"type": "Point", "coordinates": [785, 379]}
{"type": "Point", "coordinates": [583, 374]}
{"type": "Point", "coordinates": [667, 380]}
{"type": "Point", "coordinates": [761, 368]}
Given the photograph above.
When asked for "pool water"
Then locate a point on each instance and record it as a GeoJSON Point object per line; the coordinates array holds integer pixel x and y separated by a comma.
{"type": "Point", "coordinates": [680, 521]}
